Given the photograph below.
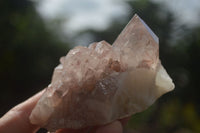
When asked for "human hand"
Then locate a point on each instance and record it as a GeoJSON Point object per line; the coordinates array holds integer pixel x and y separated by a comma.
{"type": "Point", "coordinates": [17, 121]}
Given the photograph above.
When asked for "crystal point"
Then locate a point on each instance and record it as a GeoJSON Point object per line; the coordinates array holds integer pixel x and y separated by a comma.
{"type": "Point", "coordinates": [149, 30]}
{"type": "Point", "coordinates": [98, 84]}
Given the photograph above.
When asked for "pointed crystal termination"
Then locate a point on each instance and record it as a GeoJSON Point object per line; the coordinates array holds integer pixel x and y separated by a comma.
{"type": "Point", "coordinates": [138, 42]}
{"type": "Point", "coordinates": [102, 83]}
{"type": "Point", "coordinates": [135, 24]}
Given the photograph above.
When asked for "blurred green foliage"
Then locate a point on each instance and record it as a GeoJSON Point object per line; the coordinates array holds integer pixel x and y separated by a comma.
{"type": "Point", "coordinates": [29, 52]}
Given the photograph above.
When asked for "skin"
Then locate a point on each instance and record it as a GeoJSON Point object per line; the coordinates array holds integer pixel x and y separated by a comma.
{"type": "Point", "coordinates": [16, 120]}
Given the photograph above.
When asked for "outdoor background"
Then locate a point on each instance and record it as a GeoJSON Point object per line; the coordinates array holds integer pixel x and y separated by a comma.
{"type": "Point", "coordinates": [35, 34]}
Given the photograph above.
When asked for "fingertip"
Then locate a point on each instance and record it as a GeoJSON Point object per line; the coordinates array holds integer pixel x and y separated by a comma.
{"type": "Point", "coordinates": [114, 127]}
{"type": "Point", "coordinates": [84, 130]}
{"type": "Point", "coordinates": [124, 121]}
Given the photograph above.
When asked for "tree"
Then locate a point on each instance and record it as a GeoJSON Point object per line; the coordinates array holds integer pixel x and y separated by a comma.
{"type": "Point", "coordinates": [28, 52]}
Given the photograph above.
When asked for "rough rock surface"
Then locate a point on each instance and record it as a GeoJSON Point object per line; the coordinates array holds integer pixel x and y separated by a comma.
{"type": "Point", "coordinates": [98, 84]}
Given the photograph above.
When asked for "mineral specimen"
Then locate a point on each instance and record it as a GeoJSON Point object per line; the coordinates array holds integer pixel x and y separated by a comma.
{"type": "Point", "coordinates": [98, 84]}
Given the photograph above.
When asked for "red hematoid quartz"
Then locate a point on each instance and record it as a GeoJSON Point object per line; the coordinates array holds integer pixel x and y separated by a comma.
{"type": "Point", "coordinates": [98, 84]}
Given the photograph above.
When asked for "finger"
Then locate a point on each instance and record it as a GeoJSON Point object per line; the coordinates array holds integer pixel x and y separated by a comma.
{"type": "Point", "coordinates": [124, 121]}
{"type": "Point", "coordinates": [110, 128]}
{"type": "Point", "coordinates": [114, 127]}
{"type": "Point", "coordinates": [84, 130]}
{"type": "Point", "coordinates": [17, 119]}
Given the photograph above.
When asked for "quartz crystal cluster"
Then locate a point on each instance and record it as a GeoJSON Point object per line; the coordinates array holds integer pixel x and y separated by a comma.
{"type": "Point", "coordinates": [100, 83]}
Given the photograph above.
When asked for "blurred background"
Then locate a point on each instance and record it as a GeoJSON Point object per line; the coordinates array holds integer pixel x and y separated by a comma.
{"type": "Point", "coordinates": [34, 34]}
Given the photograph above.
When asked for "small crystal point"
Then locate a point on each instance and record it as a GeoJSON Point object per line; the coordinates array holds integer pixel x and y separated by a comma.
{"type": "Point", "coordinates": [102, 83]}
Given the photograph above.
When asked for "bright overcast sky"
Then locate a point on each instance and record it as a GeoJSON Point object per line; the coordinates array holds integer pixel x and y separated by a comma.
{"type": "Point", "coordinates": [97, 14]}
{"type": "Point", "coordinates": [187, 11]}
{"type": "Point", "coordinates": [83, 14]}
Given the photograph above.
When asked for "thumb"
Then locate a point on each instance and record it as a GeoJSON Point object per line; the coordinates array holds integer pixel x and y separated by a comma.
{"type": "Point", "coordinates": [17, 119]}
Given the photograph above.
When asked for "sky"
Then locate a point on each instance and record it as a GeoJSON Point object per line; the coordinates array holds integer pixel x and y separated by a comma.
{"type": "Point", "coordinates": [83, 14]}
{"type": "Point", "coordinates": [187, 11]}
{"type": "Point", "coordinates": [80, 15]}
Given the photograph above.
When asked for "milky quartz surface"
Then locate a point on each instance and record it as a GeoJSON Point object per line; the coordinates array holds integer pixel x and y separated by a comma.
{"type": "Point", "coordinates": [98, 84]}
